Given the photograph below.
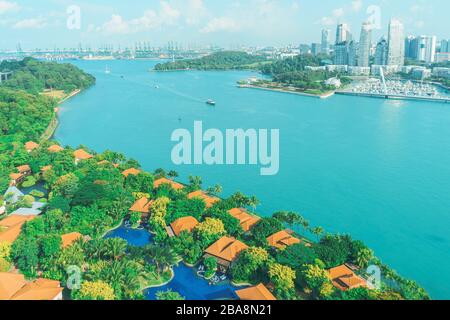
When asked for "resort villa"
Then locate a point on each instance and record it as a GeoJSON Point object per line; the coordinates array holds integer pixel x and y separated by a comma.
{"type": "Point", "coordinates": [225, 250]}
{"type": "Point", "coordinates": [257, 293]}
{"type": "Point", "coordinates": [55, 148]}
{"type": "Point", "coordinates": [80, 155]}
{"type": "Point", "coordinates": [173, 184]}
{"type": "Point", "coordinates": [46, 168]}
{"type": "Point", "coordinates": [182, 224]}
{"type": "Point", "coordinates": [69, 239]}
{"type": "Point", "coordinates": [30, 146]}
{"type": "Point", "coordinates": [14, 287]}
{"type": "Point", "coordinates": [132, 171]}
{"type": "Point", "coordinates": [344, 278]}
{"type": "Point", "coordinates": [246, 220]}
{"type": "Point", "coordinates": [142, 206]}
{"type": "Point", "coordinates": [209, 201]}
{"type": "Point", "coordinates": [11, 226]}
{"type": "Point", "coordinates": [282, 239]}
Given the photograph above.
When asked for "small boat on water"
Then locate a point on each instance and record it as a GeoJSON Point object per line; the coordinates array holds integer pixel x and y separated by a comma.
{"type": "Point", "coordinates": [211, 102]}
{"type": "Point", "coordinates": [107, 71]}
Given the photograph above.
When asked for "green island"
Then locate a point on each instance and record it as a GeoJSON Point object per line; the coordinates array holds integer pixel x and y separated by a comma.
{"type": "Point", "coordinates": [287, 75]}
{"type": "Point", "coordinates": [87, 194]}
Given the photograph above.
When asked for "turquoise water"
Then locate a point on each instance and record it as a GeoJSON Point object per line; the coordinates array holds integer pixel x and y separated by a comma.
{"type": "Point", "coordinates": [376, 169]}
{"type": "Point", "coordinates": [134, 237]}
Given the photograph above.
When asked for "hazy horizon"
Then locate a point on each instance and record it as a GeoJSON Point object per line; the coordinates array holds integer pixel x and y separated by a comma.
{"type": "Point", "coordinates": [201, 22]}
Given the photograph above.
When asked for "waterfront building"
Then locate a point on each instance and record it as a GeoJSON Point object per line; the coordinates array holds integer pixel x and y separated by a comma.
{"type": "Point", "coordinates": [55, 148]}
{"type": "Point", "coordinates": [142, 206]}
{"type": "Point", "coordinates": [426, 50]}
{"type": "Point", "coordinates": [30, 146]}
{"type": "Point", "coordinates": [226, 250]}
{"type": "Point", "coordinates": [396, 44]}
{"type": "Point", "coordinates": [132, 171]}
{"type": "Point", "coordinates": [325, 44]}
{"type": "Point", "coordinates": [246, 220]}
{"type": "Point", "coordinates": [343, 68]}
{"type": "Point", "coordinates": [344, 278]}
{"type": "Point", "coordinates": [282, 239]}
{"type": "Point", "coordinates": [441, 72]}
{"type": "Point", "coordinates": [209, 201]}
{"type": "Point", "coordinates": [411, 46]}
{"type": "Point", "coordinates": [375, 69]}
{"type": "Point", "coordinates": [175, 185]}
{"type": "Point", "coordinates": [336, 82]}
{"type": "Point", "coordinates": [80, 155]}
{"type": "Point", "coordinates": [421, 73]}
{"type": "Point", "coordinates": [341, 53]}
{"type": "Point", "coordinates": [381, 52]}
{"type": "Point", "coordinates": [256, 293]}
{"type": "Point", "coordinates": [364, 45]}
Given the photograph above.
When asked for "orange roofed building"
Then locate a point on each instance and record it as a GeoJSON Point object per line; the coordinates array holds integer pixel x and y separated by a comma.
{"type": "Point", "coordinates": [15, 287]}
{"type": "Point", "coordinates": [80, 154]}
{"type": "Point", "coordinates": [258, 293]}
{"type": "Point", "coordinates": [142, 205]}
{"type": "Point", "coordinates": [344, 278]}
{"type": "Point", "coordinates": [173, 184]}
{"type": "Point", "coordinates": [209, 201]}
{"type": "Point", "coordinates": [55, 148]}
{"type": "Point", "coordinates": [11, 226]}
{"type": "Point", "coordinates": [132, 171]}
{"type": "Point", "coordinates": [282, 239]}
{"type": "Point", "coordinates": [70, 238]}
{"type": "Point", "coordinates": [31, 145]}
{"type": "Point", "coordinates": [246, 220]}
{"type": "Point", "coordinates": [183, 224]}
{"type": "Point", "coordinates": [225, 250]}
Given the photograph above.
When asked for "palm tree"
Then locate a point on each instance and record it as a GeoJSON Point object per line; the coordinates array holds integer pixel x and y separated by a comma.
{"type": "Point", "coordinates": [317, 231]}
{"type": "Point", "coordinates": [363, 257]}
{"type": "Point", "coordinates": [195, 182]}
{"type": "Point", "coordinates": [253, 201]}
{"type": "Point", "coordinates": [163, 257]}
{"type": "Point", "coordinates": [172, 174]}
{"type": "Point", "coordinates": [216, 190]}
{"type": "Point", "coordinates": [115, 248]}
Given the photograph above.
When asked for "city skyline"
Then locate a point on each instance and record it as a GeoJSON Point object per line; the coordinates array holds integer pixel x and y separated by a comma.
{"type": "Point", "coordinates": [252, 22]}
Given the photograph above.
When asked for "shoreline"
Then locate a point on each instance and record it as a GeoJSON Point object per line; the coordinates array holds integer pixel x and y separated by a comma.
{"type": "Point", "coordinates": [280, 90]}
{"type": "Point", "coordinates": [393, 97]}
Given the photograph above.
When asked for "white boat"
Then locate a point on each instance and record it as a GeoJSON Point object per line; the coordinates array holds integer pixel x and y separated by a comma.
{"type": "Point", "coordinates": [211, 102]}
{"type": "Point", "coordinates": [107, 71]}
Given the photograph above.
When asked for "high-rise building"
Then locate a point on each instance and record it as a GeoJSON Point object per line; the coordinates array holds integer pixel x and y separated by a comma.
{"type": "Point", "coordinates": [381, 52]}
{"type": "Point", "coordinates": [364, 45]}
{"type": "Point", "coordinates": [353, 54]}
{"type": "Point", "coordinates": [316, 48]}
{"type": "Point", "coordinates": [426, 49]}
{"type": "Point", "coordinates": [445, 46]}
{"type": "Point", "coordinates": [325, 45]}
{"type": "Point", "coordinates": [396, 44]}
{"type": "Point", "coordinates": [411, 45]}
{"type": "Point", "coordinates": [343, 33]}
{"type": "Point", "coordinates": [341, 53]}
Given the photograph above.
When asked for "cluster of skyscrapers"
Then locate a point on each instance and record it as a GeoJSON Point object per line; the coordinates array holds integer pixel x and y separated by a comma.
{"type": "Point", "coordinates": [390, 51]}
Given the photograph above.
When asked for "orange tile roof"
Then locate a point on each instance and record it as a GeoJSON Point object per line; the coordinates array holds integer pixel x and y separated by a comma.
{"type": "Point", "coordinates": [81, 154]}
{"type": "Point", "coordinates": [15, 176]}
{"type": "Point", "coordinates": [103, 162]}
{"type": "Point", "coordinates": [70, 238]}
{"type": "Point", "coordinates": [31, 145]}
{"type": "Point", "coordinates": [282, 240]}
{"type": "Point", "coordinates": [344, 278]}
{"type": "Point", "coordinates": [175, 185]}
{"type": "Point", "coordinates": [142, 205]}
{"type": "Point", "coordinates": [24, 168]}
{"type": "Point", "coordinates": [259, 293]}
{"type": "Point", "coordinates": [55, 148]}
{"type": "Point", "coordinates": [246, 220]}
{"type": "Point", "coordinates": [209, 201]}
{"type": "Point", "coordinates": [15, 287]}
{"type": "Point", "coordinates": [183, 224]}
{"type": "Point", "coordinates": [46, 168]}
{"type": "Point", "coordinates": [226, 248]}
{"type": "Point", "coordinates": [13, 225]}
{"type": "Point", "coordinates": [132, 171]}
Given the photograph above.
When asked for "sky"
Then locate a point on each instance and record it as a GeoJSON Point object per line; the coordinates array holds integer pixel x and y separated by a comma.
{"type": "Point", "coordinates": [67, 23]}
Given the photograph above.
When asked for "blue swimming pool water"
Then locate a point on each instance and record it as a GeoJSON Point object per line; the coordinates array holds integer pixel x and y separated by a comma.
{"type": "Point", "coordinates": [192, 287]}
{"type": "Point", "coordinates": [137, 238]}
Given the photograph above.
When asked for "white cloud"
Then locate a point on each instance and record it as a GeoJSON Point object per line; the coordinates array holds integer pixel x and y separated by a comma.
{"type": "Point", "coordinates": [339, 12]}
{"type": "Point", "coordinates": [6, 6]}
{"type": "Point", "coordinates": [357, 5]}
{"type": "Point", "coordinates": [167, 15]}
{"type": "Point", "coordinates": [33, 23]}
{"type": "Point", "coordinates": [221, 24]}
{"type": "Point", "coordinates": [195, 11]}
{"type": "Point", "coordinates": [327, 21]}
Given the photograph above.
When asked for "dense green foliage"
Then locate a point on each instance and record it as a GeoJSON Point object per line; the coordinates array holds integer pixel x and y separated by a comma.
{"type": "Point", "coordinates": [226, 60]}
{"type": "Point", "coordinates": [35, 76]}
